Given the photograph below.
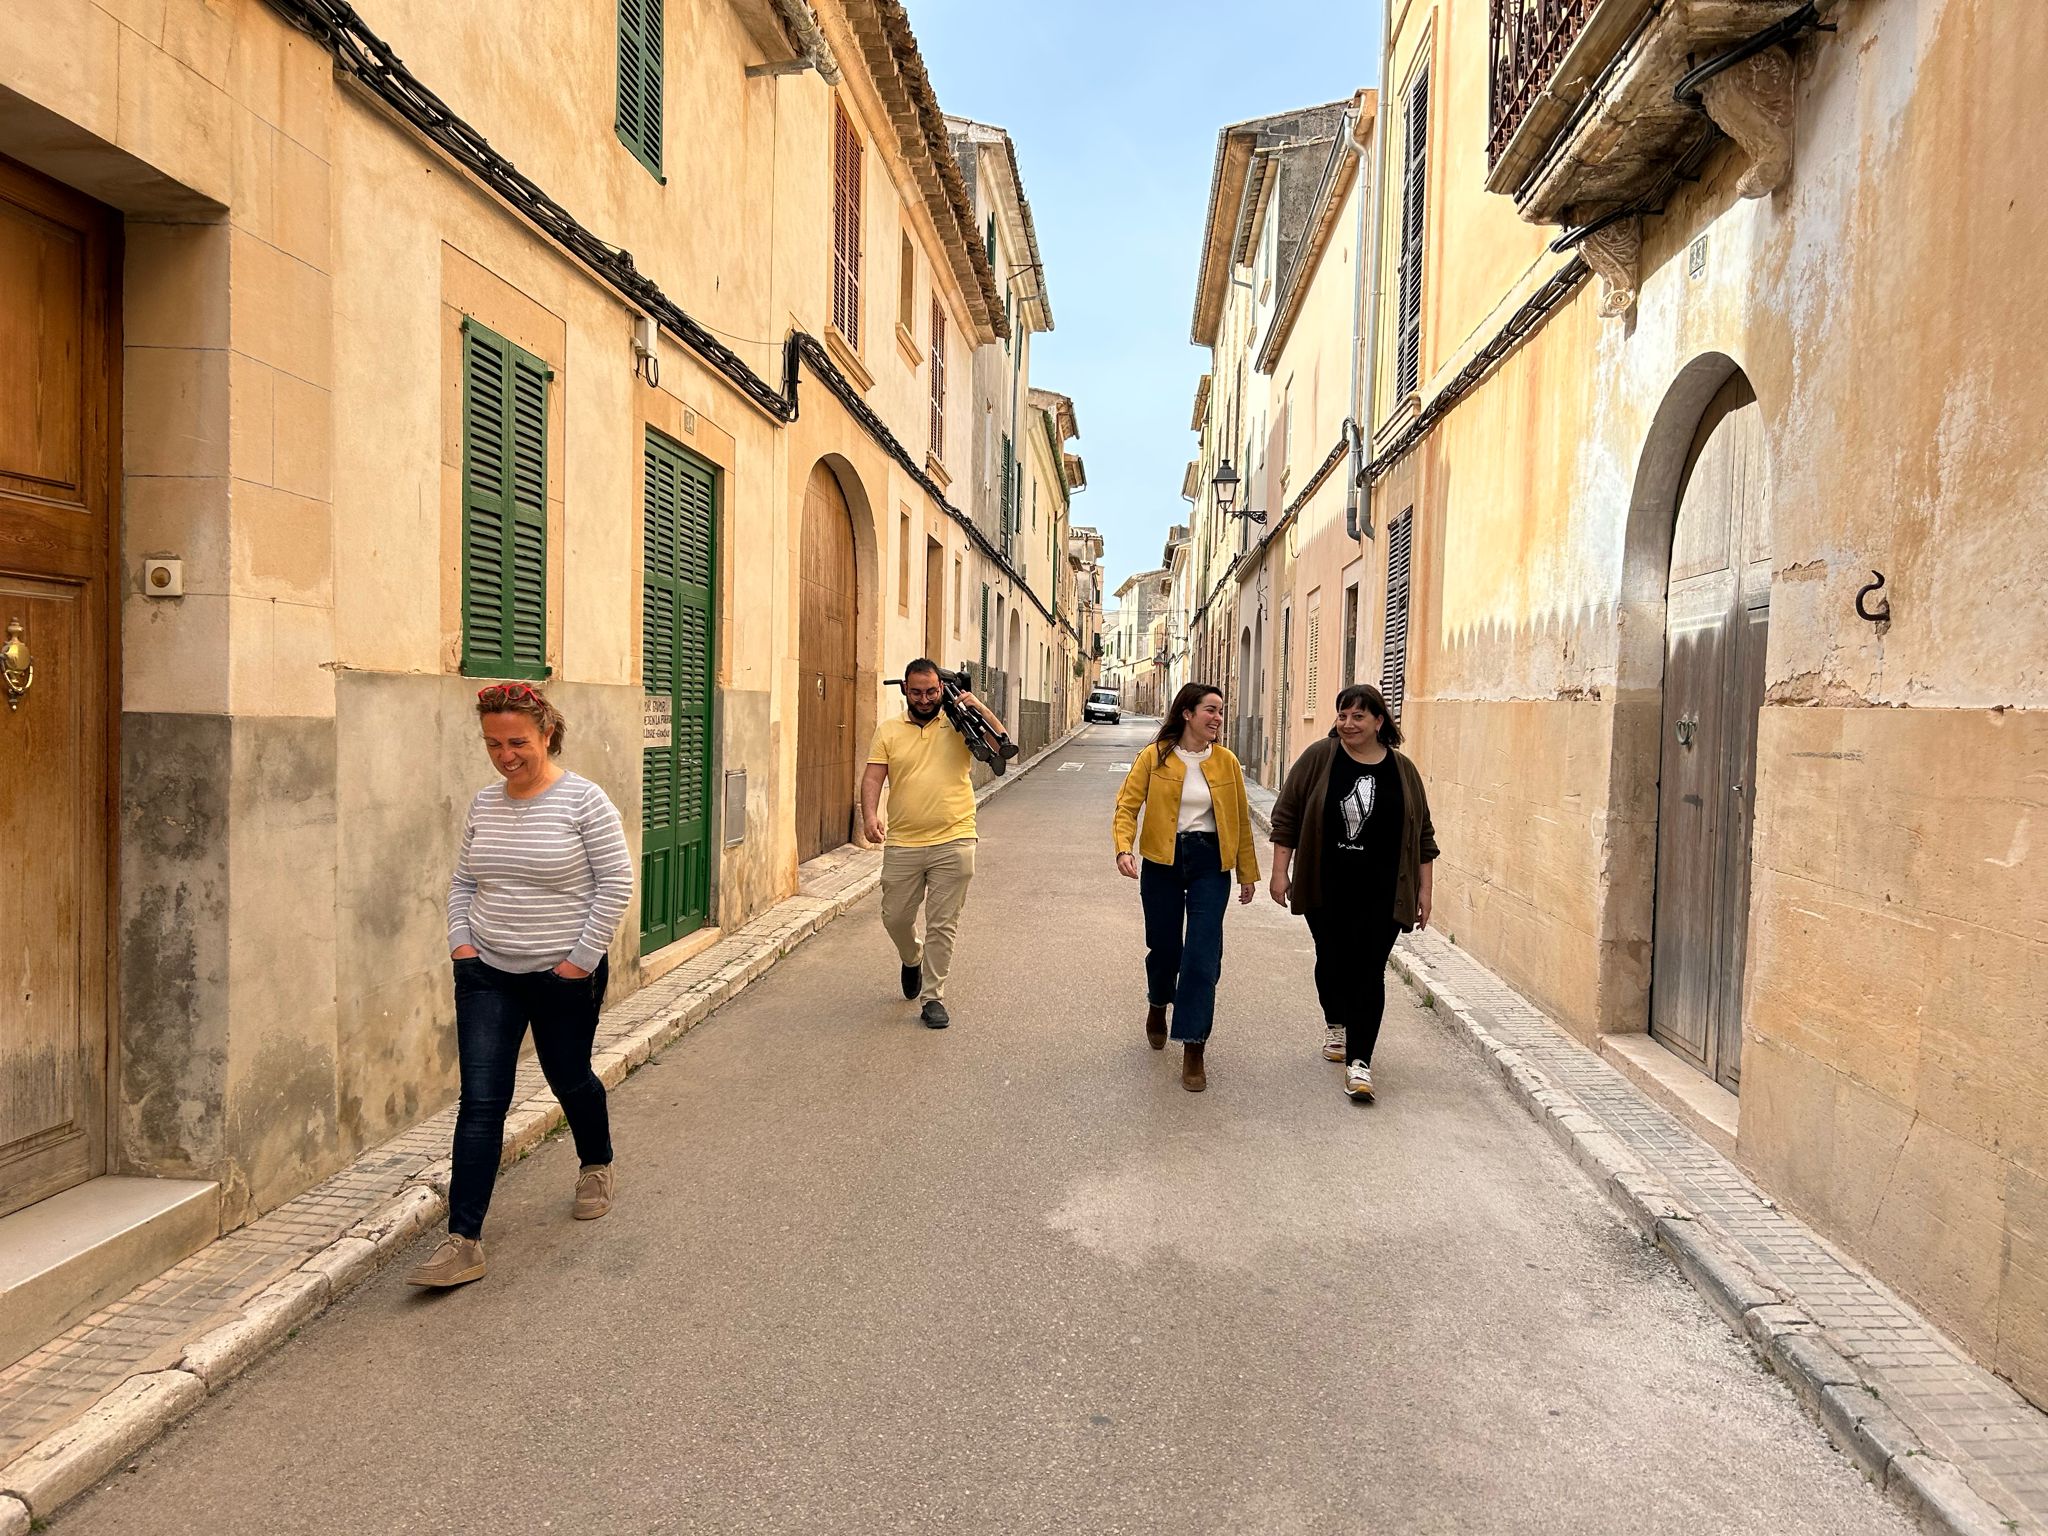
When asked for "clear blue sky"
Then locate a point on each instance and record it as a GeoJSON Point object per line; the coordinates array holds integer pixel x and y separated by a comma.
{"type": "Point", "coordinates": [1115, 106]}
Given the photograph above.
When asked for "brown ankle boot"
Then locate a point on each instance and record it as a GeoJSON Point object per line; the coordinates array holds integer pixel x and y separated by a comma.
{"type": "Point", "coordinates": [1155, 1027]}
{"type": "Point", "coordinates": [1192, 1077]}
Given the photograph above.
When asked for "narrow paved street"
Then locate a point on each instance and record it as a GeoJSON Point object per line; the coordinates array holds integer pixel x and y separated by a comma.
{"type": "Point", "coordinates": [1008, 1278]}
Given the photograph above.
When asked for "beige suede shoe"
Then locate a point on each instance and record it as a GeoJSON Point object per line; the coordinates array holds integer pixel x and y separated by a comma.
{"type": "Point", "coordinates": [457, 1261]}
{"type": "Point", "coordinates": [593, 1191]}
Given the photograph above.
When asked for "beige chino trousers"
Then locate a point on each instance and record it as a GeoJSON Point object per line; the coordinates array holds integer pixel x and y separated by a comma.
{"type": "Point", "coordinates": [936, 879]}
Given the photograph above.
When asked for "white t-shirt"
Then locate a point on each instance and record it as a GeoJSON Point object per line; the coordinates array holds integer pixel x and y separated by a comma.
{"type": "Point", "coordinates": [1197, 805]}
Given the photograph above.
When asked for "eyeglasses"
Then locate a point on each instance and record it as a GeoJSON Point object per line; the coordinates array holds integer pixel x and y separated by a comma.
{"type": "Point", "coordinates": [508, 691]}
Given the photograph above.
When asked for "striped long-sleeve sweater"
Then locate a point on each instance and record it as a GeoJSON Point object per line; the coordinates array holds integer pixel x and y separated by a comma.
{"type": "Point", "coordinates": [540, 881]}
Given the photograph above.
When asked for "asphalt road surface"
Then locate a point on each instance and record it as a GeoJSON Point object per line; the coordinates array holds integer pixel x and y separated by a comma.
{"type": "Point", "coordinates": [865, 1277]}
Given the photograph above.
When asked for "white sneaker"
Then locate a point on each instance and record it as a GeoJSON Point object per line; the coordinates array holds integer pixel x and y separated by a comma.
{"type": "Point", "coordinates": [1358, 1081]}
{"type": "Point", "coordinates": [1333, 1045]}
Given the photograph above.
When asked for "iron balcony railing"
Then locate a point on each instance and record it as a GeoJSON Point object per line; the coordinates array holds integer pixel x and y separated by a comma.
{"type": "Point", "coordinates": [1529, 39]}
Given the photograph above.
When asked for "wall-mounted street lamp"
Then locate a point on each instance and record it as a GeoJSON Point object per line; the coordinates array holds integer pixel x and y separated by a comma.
{"type": "Point", "coordinates": [1225, 484]}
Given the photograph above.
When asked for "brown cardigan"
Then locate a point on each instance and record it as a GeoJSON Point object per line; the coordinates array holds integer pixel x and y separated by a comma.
{"type": "Point", "coordinates": [1298, 824]}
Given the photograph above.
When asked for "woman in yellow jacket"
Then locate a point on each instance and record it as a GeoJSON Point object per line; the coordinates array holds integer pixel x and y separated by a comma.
{"type": "Point", "coordinates": [1198, 828]}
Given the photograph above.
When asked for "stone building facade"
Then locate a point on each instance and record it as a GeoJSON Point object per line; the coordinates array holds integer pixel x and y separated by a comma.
{"type": "Point", "coordinates": [1706, 522]}
{"type": "Point", "coordinates": [1266, 183]}
{"type": "Point", "coordinates": [332, 409]}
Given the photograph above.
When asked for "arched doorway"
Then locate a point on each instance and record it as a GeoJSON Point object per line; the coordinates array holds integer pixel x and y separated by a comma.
{"type": "Point", "coordinates": [827, 667]}
{"type": "Point", "coordinates": [1241, 742]}
{"type": "Point", "coordinates": [1019, 668]}
{"type": "Point", "coordinates": [1717, 623]}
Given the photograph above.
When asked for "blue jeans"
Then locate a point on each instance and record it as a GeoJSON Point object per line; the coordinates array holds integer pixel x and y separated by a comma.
{"type": "Point", "coordinates": [492, 1010]}
{"type": "Point", "coordinates": [1184, 906]}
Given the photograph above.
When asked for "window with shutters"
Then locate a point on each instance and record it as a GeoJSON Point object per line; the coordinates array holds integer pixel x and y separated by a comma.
{"type": "Point", "coordinates": [1394, 647]}
{"type": "Point", "coordinates": [906, 286]}
{"type": "Point", "coordinates": [991, 240]}
{"type": "Point", "coordinates": [504, 507]}
{"type": "Point", "coordinates": [846, 203]}
{"type": "Point", "coordinates": [903, 560]}
{"type": "Point", "coordinates": [1008, 493]}
{"type": "Point", "coordinates": [1350, 635]}
{"type": "Point", "coordinates": [639, 115]}
{"type": "Point", "coordinates": [1414, 188]}
{"type": "Point", "coordinates": [984, 626]}
{"type": "Point", "coordinates": [1312, 695]}
{"type": "Point", "coordinates": [938, 382]}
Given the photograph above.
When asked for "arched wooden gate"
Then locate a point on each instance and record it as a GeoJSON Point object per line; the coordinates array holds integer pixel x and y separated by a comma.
{"type": "Point", "coordinates": [1718, 619]}
{"type": "Point", "coordinates": [827, 593]}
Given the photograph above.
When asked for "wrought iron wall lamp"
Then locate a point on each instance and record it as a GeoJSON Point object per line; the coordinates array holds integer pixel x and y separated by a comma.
{"type": "Point", "coordinates": [1226, 484]}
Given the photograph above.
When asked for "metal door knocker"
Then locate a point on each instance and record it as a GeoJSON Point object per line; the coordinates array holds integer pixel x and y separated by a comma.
{"type": "Point", "coordinates": [17, 667]}
{"type": "Point", "coordinates": [1687, 728]}
{"type": "Point", "coordinates": [1882, 613]}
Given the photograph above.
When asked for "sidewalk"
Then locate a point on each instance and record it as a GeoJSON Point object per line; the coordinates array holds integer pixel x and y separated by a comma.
{"type": "Point", "coordinates": [73, 1410]}
{"type": "Point", "coordinates": [1955, 1445]}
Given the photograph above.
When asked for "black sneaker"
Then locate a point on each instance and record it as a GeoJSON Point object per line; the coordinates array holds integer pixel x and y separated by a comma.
{"type": "Point", "coordinates": [913, 980]}
{"type": "Point", "coordinates": [935, 1015]}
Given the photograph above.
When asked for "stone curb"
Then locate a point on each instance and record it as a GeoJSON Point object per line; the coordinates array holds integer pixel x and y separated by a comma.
{"type": "Point", "coordinates": [74, 1458]}
{"type": "Point", "coordinates": [1930, 1488]}
{"type": "Point", "coordinates": [70, 1461]}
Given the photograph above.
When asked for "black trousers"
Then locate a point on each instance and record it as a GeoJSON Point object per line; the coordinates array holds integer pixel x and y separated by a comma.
{"type": "Point", "coordinates": [1351, 973]}
{"type": "Point", "coordinates": [492, 1011]}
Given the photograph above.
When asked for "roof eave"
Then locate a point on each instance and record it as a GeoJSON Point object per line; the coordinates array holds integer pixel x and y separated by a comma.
{"type": "Point", "coordinates": [1341, 173]}
{"type": "Point", "coordinates": [889, 50]}
{"type": "Point", "coordinates": [1234, 147]}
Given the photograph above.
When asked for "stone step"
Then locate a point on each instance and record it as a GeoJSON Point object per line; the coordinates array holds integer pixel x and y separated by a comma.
{"type": "Point", "coordinates": [64, 1258]}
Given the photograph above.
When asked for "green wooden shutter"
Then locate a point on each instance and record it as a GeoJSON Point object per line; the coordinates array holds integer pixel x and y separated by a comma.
{"type": "Point", "coordinates": [679, 513]}
{"type": "Point", "coordinates": [1009, 494]}
{"type": "Point", "coordinates": [504, 507]}
{"type": "Point", "coordinates": [639, 115]}
{"type": "Point", "coordinates": [984, 630]}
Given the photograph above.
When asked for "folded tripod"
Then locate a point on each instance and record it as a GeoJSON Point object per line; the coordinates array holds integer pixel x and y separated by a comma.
{"type": "Point", "coordinates": [986, 742]}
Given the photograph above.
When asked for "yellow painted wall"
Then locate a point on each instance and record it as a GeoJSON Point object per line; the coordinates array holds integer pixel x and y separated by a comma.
{"type": "Point", "coordinates": [1895, 1067]}
{"type": "Point", "coordinates": [298, 267]}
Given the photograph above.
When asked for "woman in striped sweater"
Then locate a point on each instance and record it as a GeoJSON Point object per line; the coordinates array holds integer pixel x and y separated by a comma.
{"type": "Point", "coordinates": [542, 881]}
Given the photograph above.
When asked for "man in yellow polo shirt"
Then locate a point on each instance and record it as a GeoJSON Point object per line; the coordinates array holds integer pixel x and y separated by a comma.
{"type": "Point", "coordinates": [928, 840]}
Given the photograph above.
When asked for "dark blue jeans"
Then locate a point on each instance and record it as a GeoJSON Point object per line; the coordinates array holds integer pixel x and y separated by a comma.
{"type": "Point", "coordinates": [1184, 906]}
{"type": "Point", "coordinates": [492, 1011]}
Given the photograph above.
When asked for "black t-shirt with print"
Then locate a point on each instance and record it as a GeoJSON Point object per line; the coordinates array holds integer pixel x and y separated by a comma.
{"type": "Point", "coordinates": [1362, 833]}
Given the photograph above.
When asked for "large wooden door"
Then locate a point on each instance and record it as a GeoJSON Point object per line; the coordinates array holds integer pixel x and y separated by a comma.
{"type": "Point", "coordinates": [1717, 628]}
{"type": "Point", "coordinates": [58, 385]}
{"type": "Point", "coordinates": [826, 667]}
{"type": "Point", "coordinates": [679, 515]}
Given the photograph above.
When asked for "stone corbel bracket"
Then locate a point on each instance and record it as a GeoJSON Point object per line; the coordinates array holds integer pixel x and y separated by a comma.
{"type": "Point", "coordinates": [1751, 102]}
{"type": "Point", "coordinates": [1613, 253]}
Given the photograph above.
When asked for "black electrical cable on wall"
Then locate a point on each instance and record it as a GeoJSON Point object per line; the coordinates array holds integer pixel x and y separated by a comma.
{"type": "Point", "coordinates": [368, 59]}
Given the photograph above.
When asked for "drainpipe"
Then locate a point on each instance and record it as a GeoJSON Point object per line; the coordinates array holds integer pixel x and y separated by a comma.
{"type": "Point", "coordinates": [1358, 504]}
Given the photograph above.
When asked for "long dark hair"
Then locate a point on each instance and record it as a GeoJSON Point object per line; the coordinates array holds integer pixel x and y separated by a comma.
{"type": "Point", "coordinates": [1365, 694]}
{"type": "Point", "coordinates": [1185, 703]}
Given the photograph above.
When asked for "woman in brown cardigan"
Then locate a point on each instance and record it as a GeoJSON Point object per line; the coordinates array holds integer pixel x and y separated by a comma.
{"type": "Point", "coordinates": [1353, 847]}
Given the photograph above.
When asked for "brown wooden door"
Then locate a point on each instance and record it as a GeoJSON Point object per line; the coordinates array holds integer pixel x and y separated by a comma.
{"type": "Point", "coordinates": [825, 670]}
{"type": "Point", "coordinates": [57, 431]}
{"type": "Point", "coordinates": [1717, 629]}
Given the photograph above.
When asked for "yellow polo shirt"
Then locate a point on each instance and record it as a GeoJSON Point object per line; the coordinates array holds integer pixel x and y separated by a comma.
{"type": "Point", "coordinates": [931, 797]}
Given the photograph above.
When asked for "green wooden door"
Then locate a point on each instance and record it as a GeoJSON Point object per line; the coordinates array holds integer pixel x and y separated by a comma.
{"type": "Point", "coordinates": [679, 515]}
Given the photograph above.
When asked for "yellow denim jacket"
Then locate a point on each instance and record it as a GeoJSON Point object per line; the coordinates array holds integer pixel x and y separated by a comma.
{"type": "Point", "coordinates": [1156, 787]}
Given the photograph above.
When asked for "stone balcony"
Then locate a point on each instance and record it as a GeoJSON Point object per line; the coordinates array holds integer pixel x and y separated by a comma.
{"type": "Point", "coordinates": [1598, 106]}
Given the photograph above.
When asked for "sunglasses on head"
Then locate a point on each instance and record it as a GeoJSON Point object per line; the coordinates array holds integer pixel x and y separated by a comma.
{"type": "Point", "coordinates": [508, 691]}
